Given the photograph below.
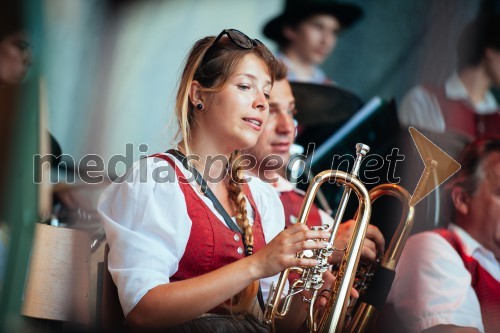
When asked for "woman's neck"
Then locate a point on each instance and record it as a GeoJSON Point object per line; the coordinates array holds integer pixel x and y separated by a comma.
{"type": "Point", "coordinates": [303, 69]}
{"type": "Point", "coordinates": [207, 157]}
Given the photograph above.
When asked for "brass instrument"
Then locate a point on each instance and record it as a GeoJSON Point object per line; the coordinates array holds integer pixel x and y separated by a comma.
{"type": "Point", "coordinates": [332, 318]}
{"type": "Point", "coordinates": [362, 317]}
{"type": "Point", "coordinates": [364, 314]}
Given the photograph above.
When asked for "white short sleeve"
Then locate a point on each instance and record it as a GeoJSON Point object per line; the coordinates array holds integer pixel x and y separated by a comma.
{"type": "Point", "coordinates": [421, 110]}
{"type": "Point", "coordinates": [433, 287]}
{"type": "Point", "coordinates": [147, 227]}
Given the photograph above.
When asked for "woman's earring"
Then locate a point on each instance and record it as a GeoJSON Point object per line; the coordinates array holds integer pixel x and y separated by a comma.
{"type": "Point", "coordinates": [199, 106]}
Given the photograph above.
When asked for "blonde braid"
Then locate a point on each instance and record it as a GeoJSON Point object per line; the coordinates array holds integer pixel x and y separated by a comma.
{"type": "Point", "coordinates": [241, 301]}
{"type": "Point", "coordinates": [237, 196]}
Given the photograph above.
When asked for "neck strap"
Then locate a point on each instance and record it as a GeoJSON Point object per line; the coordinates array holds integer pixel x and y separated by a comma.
{"type": "Point", "coordinates": [209, 194]}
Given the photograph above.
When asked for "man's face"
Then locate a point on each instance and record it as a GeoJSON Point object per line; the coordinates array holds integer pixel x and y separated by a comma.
{"type": "Point", "coordinates": [279, 132]}
{"type": "Point", "coordinates": [15, 58]}
{"type": "Point", "coordinates": [314, 38]}
{"type": "Point", "coordinates": [484, 206]}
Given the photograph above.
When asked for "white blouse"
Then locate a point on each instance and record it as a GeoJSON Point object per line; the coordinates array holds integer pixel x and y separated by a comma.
{"type": "Point", "coordinates": [147, 225]}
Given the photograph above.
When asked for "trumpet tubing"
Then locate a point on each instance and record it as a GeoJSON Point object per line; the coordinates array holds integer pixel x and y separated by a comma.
{"type": "Point", "coordinates": [366, 312]}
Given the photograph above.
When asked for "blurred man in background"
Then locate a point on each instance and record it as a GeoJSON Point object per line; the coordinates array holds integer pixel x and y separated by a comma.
{"type": "Point", "coordinates": [448, 280]}
{"type": "Point", "coordinates": [307, 33]}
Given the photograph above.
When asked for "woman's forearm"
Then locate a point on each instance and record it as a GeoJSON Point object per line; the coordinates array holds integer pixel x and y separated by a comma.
{"type": "Point", "coordinates": [178, 302]}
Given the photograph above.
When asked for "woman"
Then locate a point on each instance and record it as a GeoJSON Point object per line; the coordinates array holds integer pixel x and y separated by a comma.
{"type": "Point", "coordinates": [173, 255]}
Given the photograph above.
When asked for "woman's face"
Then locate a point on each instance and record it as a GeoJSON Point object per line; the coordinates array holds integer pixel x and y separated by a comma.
{"type": "Point", "coordinates": [234, 117]}
{"type": "Point", "coordinates": [15, 58]}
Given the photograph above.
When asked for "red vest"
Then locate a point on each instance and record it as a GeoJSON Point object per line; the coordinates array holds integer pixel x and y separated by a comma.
{"type": "Point", "coordinates": [486, 287]}
{"type": "Point", "coordinates": [292, 201]}
{"type": "Point", "coordinates": [459, 116]}
{"type": "Point", "coordinates": [211, 244]}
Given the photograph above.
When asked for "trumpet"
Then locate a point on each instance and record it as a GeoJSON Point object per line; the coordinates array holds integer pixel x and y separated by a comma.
{"type": "Point", "coordinates": [332, 318]}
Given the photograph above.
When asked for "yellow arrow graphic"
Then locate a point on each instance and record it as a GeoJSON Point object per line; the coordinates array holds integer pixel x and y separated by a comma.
{"type": "Point", "coordinates": [439, 166]}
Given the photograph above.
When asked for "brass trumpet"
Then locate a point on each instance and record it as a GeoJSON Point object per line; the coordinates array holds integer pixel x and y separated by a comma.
{"type": "Point", "coordinates": [375, 288]}
{"type": "Point", "coordinates": [332, 318]}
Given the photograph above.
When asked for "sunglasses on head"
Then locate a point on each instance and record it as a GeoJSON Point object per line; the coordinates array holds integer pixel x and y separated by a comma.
{"type": "Point", "coordinates": [237, 37]}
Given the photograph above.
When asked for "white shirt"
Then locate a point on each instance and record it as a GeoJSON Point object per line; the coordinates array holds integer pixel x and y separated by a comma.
{"type": "Point", "coordinates": [147, 225]}
{"type": "Point", "coordinates": [421, 109]}
{"type": "Point", "coordinates": [433, 287]}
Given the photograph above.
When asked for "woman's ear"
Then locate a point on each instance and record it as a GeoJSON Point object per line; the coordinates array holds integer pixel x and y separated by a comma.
{"type": "Point", "coordinates": [460, 200]}
{"type": "Point", "coordinates": [196, 95]}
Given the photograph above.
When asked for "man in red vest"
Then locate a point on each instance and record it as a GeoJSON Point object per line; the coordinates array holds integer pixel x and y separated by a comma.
{"type": "Point", "coordinates": [465, 104]}
{"type": "Point", "coordinates": [276, 141]}
{"type": "Point", "coordinates": [449, 280]}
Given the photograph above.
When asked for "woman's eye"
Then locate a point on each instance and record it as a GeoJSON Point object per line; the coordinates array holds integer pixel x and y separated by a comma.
{"type": "Point", "coordinates": [244, 87]}
{"type": "Point", "coordinates": [267, 96]}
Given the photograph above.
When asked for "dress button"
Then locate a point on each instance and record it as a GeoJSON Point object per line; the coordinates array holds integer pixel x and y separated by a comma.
{"type": "Point", "coordinates": [240, 250]}
{"type": "Point", "coordinates": [236, 237]}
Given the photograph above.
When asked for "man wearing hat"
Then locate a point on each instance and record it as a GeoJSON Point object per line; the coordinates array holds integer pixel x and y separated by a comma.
{"type": "Point", "coordinates": [306, 33]}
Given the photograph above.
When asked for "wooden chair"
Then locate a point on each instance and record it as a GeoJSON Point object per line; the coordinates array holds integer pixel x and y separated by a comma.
{"type": "Point", "coordinates": [111, 313]}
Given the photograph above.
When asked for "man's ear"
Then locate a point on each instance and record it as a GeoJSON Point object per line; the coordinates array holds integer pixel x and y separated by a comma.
{"type": "Point", "coordinates": [196, 95]}
{"type": "Point", "coordinates": [460, 200]}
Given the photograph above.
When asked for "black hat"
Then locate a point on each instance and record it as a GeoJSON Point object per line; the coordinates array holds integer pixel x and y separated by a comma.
{"type": "Point", "coordinates": [296, 10]}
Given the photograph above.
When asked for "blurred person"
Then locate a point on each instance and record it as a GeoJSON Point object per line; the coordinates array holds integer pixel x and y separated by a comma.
{"type": "Point", "coordinates": [15, 61]}
{"type": "Point", "coordinates": [15, 57]}
{"type": "Point", "coordinates": [448, 280]}
{"type": "Point", "coordinates": [465, 104]}
{"type": "Point", "coordinates": [193, 249]}
{"type": "Point", "coordinates": [307, 32]}
{"type": "Point", "coordinates": [275, 142]}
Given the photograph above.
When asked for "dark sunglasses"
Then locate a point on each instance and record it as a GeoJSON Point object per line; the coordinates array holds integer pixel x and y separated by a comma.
{"type": "Point", "coordinates": [237, 37]}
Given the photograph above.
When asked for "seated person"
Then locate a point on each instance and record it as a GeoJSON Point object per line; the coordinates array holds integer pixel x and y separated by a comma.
{"type": "Point", "coordinates": [198, 251]}
{"type": "Point", "coordinates": [465, 104]}
{"type": "Point", "coordinates": [307, 32]}
{"type": "Point", "coordinates": [275, 141]}
{"type": "Point", "coordinates": [449, 280]}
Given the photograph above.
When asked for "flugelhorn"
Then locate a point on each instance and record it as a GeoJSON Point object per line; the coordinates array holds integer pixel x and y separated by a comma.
{"type": "Point", "coordinates": [363, 315]}
{"type": "Point", "coordinates": [331, 319]}
{"type": "Point", "coordinates": [375, 288]}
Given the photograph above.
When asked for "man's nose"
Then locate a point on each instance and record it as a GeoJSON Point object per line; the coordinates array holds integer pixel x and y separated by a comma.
{"type": "Point", "coordinates": [285, 123]}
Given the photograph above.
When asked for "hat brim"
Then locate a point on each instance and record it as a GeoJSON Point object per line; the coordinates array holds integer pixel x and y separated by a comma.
{"type": "Point", "coordinates": [346, 14]}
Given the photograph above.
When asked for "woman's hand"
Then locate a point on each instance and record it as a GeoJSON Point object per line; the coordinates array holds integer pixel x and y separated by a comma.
{"type": "Point", "coordinates": [374, 241]}
{"type": "Point", "coordinates": [280, 253]}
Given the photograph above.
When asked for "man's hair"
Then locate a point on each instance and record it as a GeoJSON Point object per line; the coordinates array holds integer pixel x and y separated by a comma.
{"type": "Point", "coordinates": [281, 71]}
{"type": "Point", "coordinates": [472, 157]}
{"type": "Point", "coordinates": [482, 33]}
